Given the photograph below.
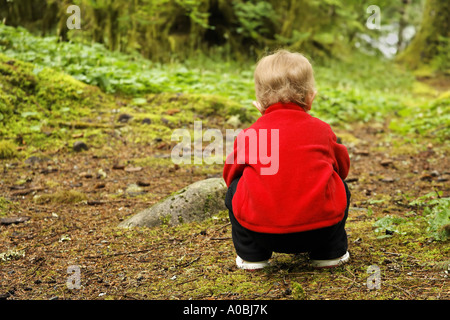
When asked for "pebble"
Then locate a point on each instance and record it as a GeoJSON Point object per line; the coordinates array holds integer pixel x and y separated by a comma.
{"type": "Point", "coordinates": [124, 117]}
{"type": "Point", "coordinates": [133, 190]}
{"type": "Point", "coordinates": [435, 173]}
{"type": "Point", "coordinates": [79, 146]}
{"type": "Point", "coordinates": [87, 175]}
{"type": "Point", "coordinates": [425, 177]}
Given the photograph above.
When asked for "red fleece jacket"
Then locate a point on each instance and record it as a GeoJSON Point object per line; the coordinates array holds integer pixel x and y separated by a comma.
{"type": "Point", "coordinates": [303, 190]}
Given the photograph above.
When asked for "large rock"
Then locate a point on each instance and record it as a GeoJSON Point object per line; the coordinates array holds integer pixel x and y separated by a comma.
{"type": "Point", "coordinates": [195, 202]}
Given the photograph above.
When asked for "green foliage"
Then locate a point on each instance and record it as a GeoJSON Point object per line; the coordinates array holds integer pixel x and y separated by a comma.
{"type": "Point", "coordinates": [238, 29]}
{"type": "Point", "coordinates": [388, 225]}
{"type": "Point", "coordinates": [439, 222]}
{"type": "Point", "coordinates": [437, 213]}
{"type": "Point", "coordinates": [339, 107]}
{"type": "Point", "coordinates": [441, 61]}
{"type": "Point", "coordinates": [363, 89]}
{"type": "Point", "coordinates": [255, 18]}
{"type": "Point", "coordinates": [347, 91]}
{"type": "Point", "coordinates": [430, 119]}
{"type": "Point", "coordinates": [43, 108]}
{"type": "Point", "coordinates": [116, 72]}
{"type": "Point", "coordinates": [193, 9]}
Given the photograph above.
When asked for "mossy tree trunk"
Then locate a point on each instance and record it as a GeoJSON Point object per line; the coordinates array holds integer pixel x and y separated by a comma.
{"type": "Point", "coordinates": [432, 36]}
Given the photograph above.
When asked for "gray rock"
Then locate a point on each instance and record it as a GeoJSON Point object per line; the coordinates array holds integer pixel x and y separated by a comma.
{"type": "Point", "coordinates": [195, 202]}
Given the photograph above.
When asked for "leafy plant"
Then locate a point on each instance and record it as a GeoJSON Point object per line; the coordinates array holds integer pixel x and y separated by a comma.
{"type": "Point", "coordinates": [389, 225]}
{"type": "Point", "coordinates": [254, 18]}
{"type": "Point", "coordinates": [437, 212]}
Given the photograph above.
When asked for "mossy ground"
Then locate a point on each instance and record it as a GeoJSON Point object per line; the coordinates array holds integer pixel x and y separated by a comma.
{"type": "Point", "coordinates": [75, 200]}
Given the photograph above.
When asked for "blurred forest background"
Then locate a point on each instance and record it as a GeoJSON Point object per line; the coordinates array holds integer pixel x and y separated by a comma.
{"type": "Point", "coordinates": [240, 29]}
{"type": "Point", "coordinates": [86, 118]}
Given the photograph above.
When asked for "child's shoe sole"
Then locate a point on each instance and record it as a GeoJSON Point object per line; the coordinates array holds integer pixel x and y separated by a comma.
{"type": "Point", "coordinates": [332, 263]}
{"type": "Point", "coordinates": [246, 265]}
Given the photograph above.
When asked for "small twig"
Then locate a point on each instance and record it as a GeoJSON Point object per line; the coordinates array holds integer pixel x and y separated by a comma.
{"type": "Point", "coordinates": [353, 280]}
{"type": "Point", "coordinates": [399, 254]}
{"type": "Point", "coordinates": [221, 227]}
{"type": "Point", "coordinates": [267, 292]}
{"type": "Point", "coordinates": [24, 192]}
{"type": "Point", "coordinates": [189, 263]}
{"type": "Point", "coordinates": [223, 238]}
{"type": "Point", "coordinates": [397, 287]}
{"type": "Point", "coordinates": [187, 281]}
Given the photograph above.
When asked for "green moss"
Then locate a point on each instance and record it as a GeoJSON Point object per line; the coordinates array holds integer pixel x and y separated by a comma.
{"type": "Point", "coordinates": [420, 88]}
{"type": "Point", "coordinates": [4, 206]}
{"type": "Point", "coordinates": [65, 196]}
{"type": "Point", "coordinates": [197, 106]}
{"type": "Point", "coordinates": [298, 292]}
{"type": "Point", "coordinates": [7, 150]}
{"type": "Point", "coordinates": [36, 104]}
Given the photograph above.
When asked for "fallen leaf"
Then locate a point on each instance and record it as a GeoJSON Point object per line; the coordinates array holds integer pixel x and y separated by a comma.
{"type": "Point", "coordinates": [26, 191]}
{"type": "Point", "coordinates": [78, 135]}
{"type": "Point", "coordinates": [172, 111]}
{"type": "Point", "coordinates": [426, 177]}
{"type": "Point", "coordinates": [118, 166]}
{"type": "Point", "coordinates": [361, 152]}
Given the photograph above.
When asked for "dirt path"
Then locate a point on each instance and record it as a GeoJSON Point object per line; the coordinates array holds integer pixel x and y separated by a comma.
{"type": "Point", "coordinates": [197, 260]}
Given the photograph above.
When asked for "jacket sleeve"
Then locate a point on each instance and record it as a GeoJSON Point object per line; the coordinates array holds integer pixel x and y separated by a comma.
{"type": "Point", "coordinates": [341, 157]}
{"type": "Point", "coordinates": [232, 169]}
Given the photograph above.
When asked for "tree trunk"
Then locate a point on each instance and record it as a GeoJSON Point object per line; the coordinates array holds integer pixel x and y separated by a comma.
{"type": "Point", "coordinates": [402, 24]}
{"type": "Point", "coordinates": [425, 46]}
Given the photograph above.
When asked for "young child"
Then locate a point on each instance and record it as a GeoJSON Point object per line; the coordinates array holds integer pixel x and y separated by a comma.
{"type": "Point", "coordinates": [303, 206]}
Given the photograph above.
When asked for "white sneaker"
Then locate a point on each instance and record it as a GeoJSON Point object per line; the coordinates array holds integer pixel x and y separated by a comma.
{"type": "Point", "coordinates": [331, 263]}
{"type": "Point", "coordinates": [247, 265]}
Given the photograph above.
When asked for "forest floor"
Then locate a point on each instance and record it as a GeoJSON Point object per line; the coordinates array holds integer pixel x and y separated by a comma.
{"type": "Point", "coordinates": [197, 260]}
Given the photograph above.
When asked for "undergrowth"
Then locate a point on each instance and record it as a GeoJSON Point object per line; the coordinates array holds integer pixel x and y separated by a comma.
{"type": "Point", "coordinates": [348, 90]}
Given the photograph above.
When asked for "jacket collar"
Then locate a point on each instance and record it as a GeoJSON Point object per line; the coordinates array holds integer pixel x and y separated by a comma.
{"type": "Point", "coordinates": [280, 105]}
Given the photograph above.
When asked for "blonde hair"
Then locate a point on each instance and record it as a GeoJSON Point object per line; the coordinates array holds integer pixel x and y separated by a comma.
{"type": "Point", "coordinates": [283, 77]}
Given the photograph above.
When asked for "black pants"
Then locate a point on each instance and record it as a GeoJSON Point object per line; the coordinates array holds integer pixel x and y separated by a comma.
{"type": "Point", "coordinates": [321, 244]}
